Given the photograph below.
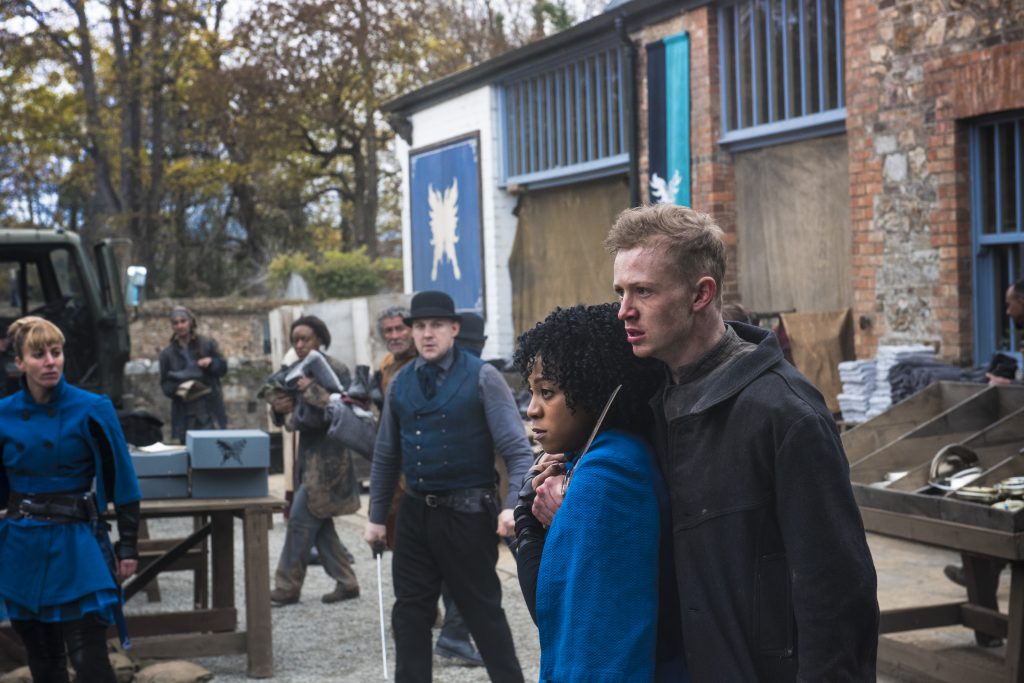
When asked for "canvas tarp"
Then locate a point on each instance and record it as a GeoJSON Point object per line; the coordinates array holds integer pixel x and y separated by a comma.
{"type": "Point", "coordinates": [558, 258]}
{"type": "Point", "coordinates": [820, 341]}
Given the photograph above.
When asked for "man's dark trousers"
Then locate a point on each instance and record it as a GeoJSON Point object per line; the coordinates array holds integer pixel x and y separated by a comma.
{"type": "Point", "coordinates": [461, 548]}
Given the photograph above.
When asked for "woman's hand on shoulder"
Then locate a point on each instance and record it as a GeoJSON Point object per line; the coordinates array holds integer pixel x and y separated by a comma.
{"type": "Point", "coordinates": [550, 465]}
{"type": "Point", "coordinates": [549, 497]}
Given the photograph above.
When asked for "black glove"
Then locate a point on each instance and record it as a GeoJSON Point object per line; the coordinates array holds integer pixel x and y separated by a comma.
{"type": "Point", "coordinates": [127, 546]}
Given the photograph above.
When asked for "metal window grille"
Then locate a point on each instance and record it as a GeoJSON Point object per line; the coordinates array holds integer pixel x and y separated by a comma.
{"type": "Point", "coordinates": [781, 66]}
{"type": "Point", "coordinates": [566, 121]}
{"type": "Point", "coordinates": [997, 225]}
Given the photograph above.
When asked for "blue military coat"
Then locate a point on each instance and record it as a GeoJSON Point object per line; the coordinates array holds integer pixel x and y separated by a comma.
{"type": "Point", "coordinates": [60, 446]}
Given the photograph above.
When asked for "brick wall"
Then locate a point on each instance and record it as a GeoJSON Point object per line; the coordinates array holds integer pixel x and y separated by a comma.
{"type": "Point", "coordinates": [713, 183]}
{"type": "Point", "coordinates": [914, 72]}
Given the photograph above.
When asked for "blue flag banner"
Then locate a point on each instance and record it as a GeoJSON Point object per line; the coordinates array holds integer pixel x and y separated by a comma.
{"type": "Point", "coordinates": [447, 254]}
{"type": "Point", "coordinates": [668, 119]}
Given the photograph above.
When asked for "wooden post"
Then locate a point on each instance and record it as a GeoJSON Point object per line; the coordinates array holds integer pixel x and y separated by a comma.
{"type": "Point", "coordinates": [1015, 636]}
{"type": "Point", "coordinates": [982, 577]}
{"type": "Point", "coordinates": [201, 575]}
{"type": "Point", "coordinates": [153, 587]}
{"type": "Point", "coordinates": [222, 547]}
{"type": "Point", "coordinates": [258, 624]}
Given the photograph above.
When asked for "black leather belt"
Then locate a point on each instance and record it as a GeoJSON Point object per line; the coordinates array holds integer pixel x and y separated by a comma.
{"type": "Point", "coordinates": [51, 507]}
{"type": "Point", "coordinates": [460, 500]}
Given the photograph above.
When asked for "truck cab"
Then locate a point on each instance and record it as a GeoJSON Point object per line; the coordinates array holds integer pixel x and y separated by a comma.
{"type": "Point", "coordinates": [52, 275]}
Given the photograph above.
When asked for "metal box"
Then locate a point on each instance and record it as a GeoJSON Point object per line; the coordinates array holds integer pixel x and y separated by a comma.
{"type": "Point", "coordinates": [228, 463]}
{"type": "Point", "coordinates": [162, 475]}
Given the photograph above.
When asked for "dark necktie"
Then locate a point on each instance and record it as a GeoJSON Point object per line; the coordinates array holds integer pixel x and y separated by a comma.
{"type": "Point", "coordinates": [428, 374]}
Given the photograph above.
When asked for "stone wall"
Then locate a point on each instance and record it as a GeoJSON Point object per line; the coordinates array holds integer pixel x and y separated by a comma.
{"type": "Point", "coordinates": [238, 325]}
{"type": "Point", "coordinates": [240, 384]}
{"type": "Point", "coordinates": [241, 330]}
{"type": "Point", "coordinates": [915, 70]}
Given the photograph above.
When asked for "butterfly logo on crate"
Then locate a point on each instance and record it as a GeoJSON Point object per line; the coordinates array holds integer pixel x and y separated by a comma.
{"type": "Point", "coordinates": [228, 463]}
{"type": "Point", "coordinates": [231, 450]}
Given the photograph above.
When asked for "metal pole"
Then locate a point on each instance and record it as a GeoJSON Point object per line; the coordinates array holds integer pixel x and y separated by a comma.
{"type": "Point", "coordinates": [378, 551]}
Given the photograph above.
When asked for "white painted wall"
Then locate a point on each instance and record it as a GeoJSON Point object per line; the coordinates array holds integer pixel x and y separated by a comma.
{"type": "Point", "coordinates": [475, 111]}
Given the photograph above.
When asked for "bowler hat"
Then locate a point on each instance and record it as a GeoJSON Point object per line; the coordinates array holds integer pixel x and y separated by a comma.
{"type": "Point", "coordinates": [431, 305]}
{"type": "Point", "coordinates": [472, 329]}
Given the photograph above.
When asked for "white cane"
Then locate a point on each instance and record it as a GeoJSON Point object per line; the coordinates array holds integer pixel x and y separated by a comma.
{"type": "Point", "coordinates": [378, 551]}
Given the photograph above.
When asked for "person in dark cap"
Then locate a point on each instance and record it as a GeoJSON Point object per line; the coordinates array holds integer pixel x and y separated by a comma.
{"type": "Point", "coordinates": [471, 334]}
{"type": "Point", "coordinates": [444, 416]}
{"type": "Point", "coordinates": [190, 370]}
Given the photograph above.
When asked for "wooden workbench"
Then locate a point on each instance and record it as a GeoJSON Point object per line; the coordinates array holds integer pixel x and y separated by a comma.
{"type": "Point", "coordinates": [987, 421]}
{"type": "Point", "coordinates": [211, 631]}
{"type": "Point", "coordinates": [983, 553]}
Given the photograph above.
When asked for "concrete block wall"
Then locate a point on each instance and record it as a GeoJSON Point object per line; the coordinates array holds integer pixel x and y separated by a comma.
{"type": "Point", "coordinates": [915, 72]}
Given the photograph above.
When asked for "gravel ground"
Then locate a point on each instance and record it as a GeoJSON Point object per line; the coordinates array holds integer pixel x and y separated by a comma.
{"type": "Point", "coordinates": [315, 642]}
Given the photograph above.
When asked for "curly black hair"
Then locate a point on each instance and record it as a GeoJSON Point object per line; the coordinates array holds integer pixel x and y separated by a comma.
{"type": "Point", "coordinates": [585, 352]}
{"type": "Point", "coordinates": [318, 326]}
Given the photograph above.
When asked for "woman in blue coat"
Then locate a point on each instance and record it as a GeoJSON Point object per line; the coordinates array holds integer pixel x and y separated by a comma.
{"type": "Point", "coordinates": [599, 581]}
{"type": "Point", "coordinates": [55, 441]}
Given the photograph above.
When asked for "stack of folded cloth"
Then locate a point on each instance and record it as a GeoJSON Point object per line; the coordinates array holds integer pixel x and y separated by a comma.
{"type": "Point", "coordinates": [888, 356]}
{"type": "Point", "coordinates": [858, 378]}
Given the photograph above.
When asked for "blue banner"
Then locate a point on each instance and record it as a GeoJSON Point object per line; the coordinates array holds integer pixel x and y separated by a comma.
{"type": "Point", "coordinates": [444, 186]}
{"type": "Point", "coordinates": [668, 119]}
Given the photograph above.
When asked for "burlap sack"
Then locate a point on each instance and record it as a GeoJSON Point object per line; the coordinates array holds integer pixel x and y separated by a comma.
{"type": "Point", "coordinates": [22, 675]}
{"type": "Point", "coordinates": [124, 667]}
{"type": "Point", "coordinates": [124, 671]}
{"type": "Point", "coordinates": [173, 672]}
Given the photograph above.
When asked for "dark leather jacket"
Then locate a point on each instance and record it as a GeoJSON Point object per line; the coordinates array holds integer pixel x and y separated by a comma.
{"type": "Point", "coordinates": [776, 581]}
{"type": "Point", "coordinates": [175, 369]}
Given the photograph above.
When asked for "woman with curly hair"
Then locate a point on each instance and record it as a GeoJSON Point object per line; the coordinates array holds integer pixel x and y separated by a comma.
{"type": "Point", "coordinates": [598, 582]}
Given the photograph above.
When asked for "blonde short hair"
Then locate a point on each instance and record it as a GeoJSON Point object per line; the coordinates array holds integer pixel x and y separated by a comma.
{"type": "Point", "coordinates": [33, 332]}
{"type": "Point", "coordinates": [693, 239]}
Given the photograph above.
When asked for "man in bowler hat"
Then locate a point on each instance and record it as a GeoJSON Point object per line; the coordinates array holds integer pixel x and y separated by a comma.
{"type": "Point", "coordinates": [444, 416]}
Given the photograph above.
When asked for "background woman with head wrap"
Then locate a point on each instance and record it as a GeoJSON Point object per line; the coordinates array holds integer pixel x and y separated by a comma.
{"type": "Point", "coordinates": [190, 370]}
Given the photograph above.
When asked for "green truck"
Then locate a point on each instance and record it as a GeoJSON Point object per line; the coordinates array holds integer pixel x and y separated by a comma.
{"type": "Point", "coordinates": [51, 274]}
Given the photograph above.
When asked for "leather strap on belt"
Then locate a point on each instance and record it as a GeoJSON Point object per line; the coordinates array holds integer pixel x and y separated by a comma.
{"type": "Point", "coordinates": [61, 508]}
{"type": "Point", "coordinates": [460, 500]}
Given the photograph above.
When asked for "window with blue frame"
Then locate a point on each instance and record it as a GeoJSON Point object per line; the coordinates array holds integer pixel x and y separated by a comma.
{"type": "Point", "coordinates": [566, 122]}
{"type": "Point", "coordinates": [997, 225]}
{"type": "Point", "coordinates": [781, 66]}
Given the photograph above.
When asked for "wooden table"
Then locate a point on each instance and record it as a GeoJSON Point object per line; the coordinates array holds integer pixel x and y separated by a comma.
{"type": "Point", "coordinates": [211, 631]}
{"type": "Point", "coordinates": [986, 424]}
{"type": "Point", "coordinates": [984, 552]}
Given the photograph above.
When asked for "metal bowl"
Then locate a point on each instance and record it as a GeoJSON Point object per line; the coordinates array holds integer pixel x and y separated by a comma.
{"type": "Point", "coordinates": [1010, 505]}
{"type": "Point", "coordinates": [1013, 487]}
